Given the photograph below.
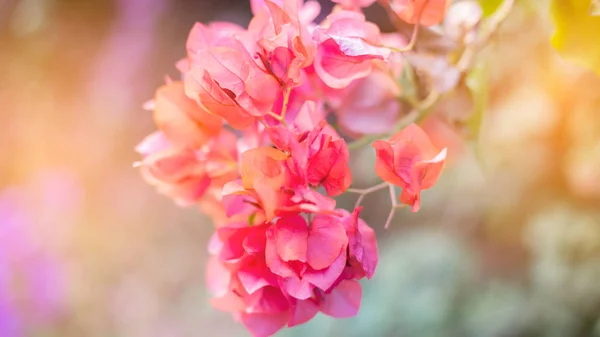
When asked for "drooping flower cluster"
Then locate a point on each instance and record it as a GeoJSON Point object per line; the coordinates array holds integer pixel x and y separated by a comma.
{"type": "Point", "coordinates": [245, 136]}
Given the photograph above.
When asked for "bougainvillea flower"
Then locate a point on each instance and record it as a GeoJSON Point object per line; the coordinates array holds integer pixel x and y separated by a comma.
{"type": "Point", "coordinates": [346, 47]}
{"type": "Point", "coordinates": [430, 12]}
{"type": "Point", "coordinates": [260, 192]}
{"type": "Point", "coordinates": [224, 78]}
{"type": "Point", "coordinates": [321, 265]}
{"type": "Point", "coordinates": [218, 100]}
{"type": "Point", "coordinates": [318, 157]}
{"type": "Point", "coordinates": [185, 174]}
{"type": "Point", "coordinates": [284, 44]}
{"type": "Point", "coordinates": [241, 283]}
{"type": "Point", "coordinates": [274, 183]}
{"type": "Point", "coordinates": [305, 257]}
{"type": "Point", "coordinates": [328, 164]}
{"type": "Point", "coordinates": [363, 255]}
{"type": "Point", "coordinates": [263, 164]}
{"type": "Point", "coordinates": [411, 161]}
{"type": "Point", "coordinates": [249, 290]}
{"type": "Point", "coordinates": [183, 121]}
{"type": "Point", "coordinates": [369, 105]}
{"type": "Point", "coordinates": [259, 203]}
{"type": "Point", "coordinates": [176, 173]}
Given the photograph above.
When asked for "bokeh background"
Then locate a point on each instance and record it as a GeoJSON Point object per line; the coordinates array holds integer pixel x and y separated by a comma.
{"type": "Point", "coordinates": [507, 244]}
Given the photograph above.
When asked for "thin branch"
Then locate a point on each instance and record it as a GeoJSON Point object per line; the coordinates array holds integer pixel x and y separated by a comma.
{"type": "Point", "coordinates": [278, 117]}
{"type": "Point", "coordinates": [286, 101]}
{"type": "Point", "coordinates": [485, 34]}
{"type": "Point", "coordinates": [393, 208]}
{"type": "Point", "coordinates": [394, 18]}
{"type": "Point", "coordinates": [364, 191]}
{"type": "Point", "coordinates": [367, 190]}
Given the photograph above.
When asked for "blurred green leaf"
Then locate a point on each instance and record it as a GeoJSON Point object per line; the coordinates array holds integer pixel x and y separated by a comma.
{"type": "Point", "coordinates": [489, 6]}
{"type": "Point", "coordinates": [577, 34]}
{"type": "Point", "coordinates": [407, 83]}
{"type": "Point", "coordinates": [476, 81]}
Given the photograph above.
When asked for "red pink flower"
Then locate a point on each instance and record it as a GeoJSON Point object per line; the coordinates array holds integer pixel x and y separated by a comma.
{"type": "Point", "coordinates": [409, 160]}
{"type": "Point", "coordinates": [246, 137]}
{"type": "Point", "coordinates": [282, 274]}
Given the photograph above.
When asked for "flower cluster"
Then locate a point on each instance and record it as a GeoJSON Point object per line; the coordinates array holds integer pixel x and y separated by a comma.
{"type": "Point", "coordinates": [244, 134]}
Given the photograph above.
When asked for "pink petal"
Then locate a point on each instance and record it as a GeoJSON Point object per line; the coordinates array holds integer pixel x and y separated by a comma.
{"type": "Point", "coordinates": [272, 258]}
{"type": "Point", "coordinates": [281, 137]}
{"type": "Point", "coordinates": [233, 187]}
{"type": "Point", "coordinates": [173, 165]}
{"type": "Point", "coordinates": [320, 164]}
{"type": "Point", "coordinates": [264, 325]}
{"type": "Point", "coordinates": [267, 300]}
{"type": "Point", "coordinates": [414, 134]}
{"type": "Point", "coordinates": [232, 238]}
{"type": "Point", "coordinates": [210, 95]}
{"type": "Point", "coordinates": [217, 277]}
{"type": "Point", "coordinates": [308, 117]}
{"type": "Point", "coordinates": [309, 12]}
{"type": "Point", "coordinates": [229, 303]}
{"type": "Point", "coordinates": [339, 178]}
{"type": "Point", "coordinates": [429, 171]}
{"type": "Point", "coordinates": [337, 69]}
{"type": "Point", "coordinates": [155, 142]}
{"type": "Point", "coordinates": [384, 163]}
{"type": "Point", "coordinates": [412, 199]}
{"type": "Point", "coordinates": [325, 278]}
{"type": "Point", "coordinates": [370, 255]}
{"type": "Point", "coordinates": [406, 155]}
{"type": "Point", "coordinates": [302, 312]}
{"type": "Point", "coordinates": [444, 135]}
{"type": "Point", "coordinates": [256, 240]}
{"type": "Point", "coordinates": [263, 163]}
{"type": "Point", "coordinates": [181, 119]}
{"type": "Point", "coordinates": [326, 239]}
{"type": "Point", "coordinates": [344, 300]}
{"type": "Point", "coordinates": [255, 275]}
{"type": "Point", "coordinates": [214, 244]}
{"type": "Point", "coordinates": [291, 235]}
{"type": "Point", "coordinates": [298, 288]}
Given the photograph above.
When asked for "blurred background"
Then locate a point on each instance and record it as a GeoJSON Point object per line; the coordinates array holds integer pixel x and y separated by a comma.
{"type": "Point", "coordinates": [507, 244]}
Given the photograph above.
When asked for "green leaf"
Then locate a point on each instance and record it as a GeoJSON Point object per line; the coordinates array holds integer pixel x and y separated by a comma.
{"type": "Point", "coordinates": [407, 83]}
{"type": "Point", "coordinates": [477, 81]}
{"type": "Point", "coordinates": [577, 34]}
{"type": "Point", "coordinates": [251, 219]}
{"type": "Point", "coordinates": [489, 6]}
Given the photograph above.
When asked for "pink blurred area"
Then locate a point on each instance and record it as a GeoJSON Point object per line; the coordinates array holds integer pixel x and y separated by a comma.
{"type": "Point", "coordinates": [87, 248]}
